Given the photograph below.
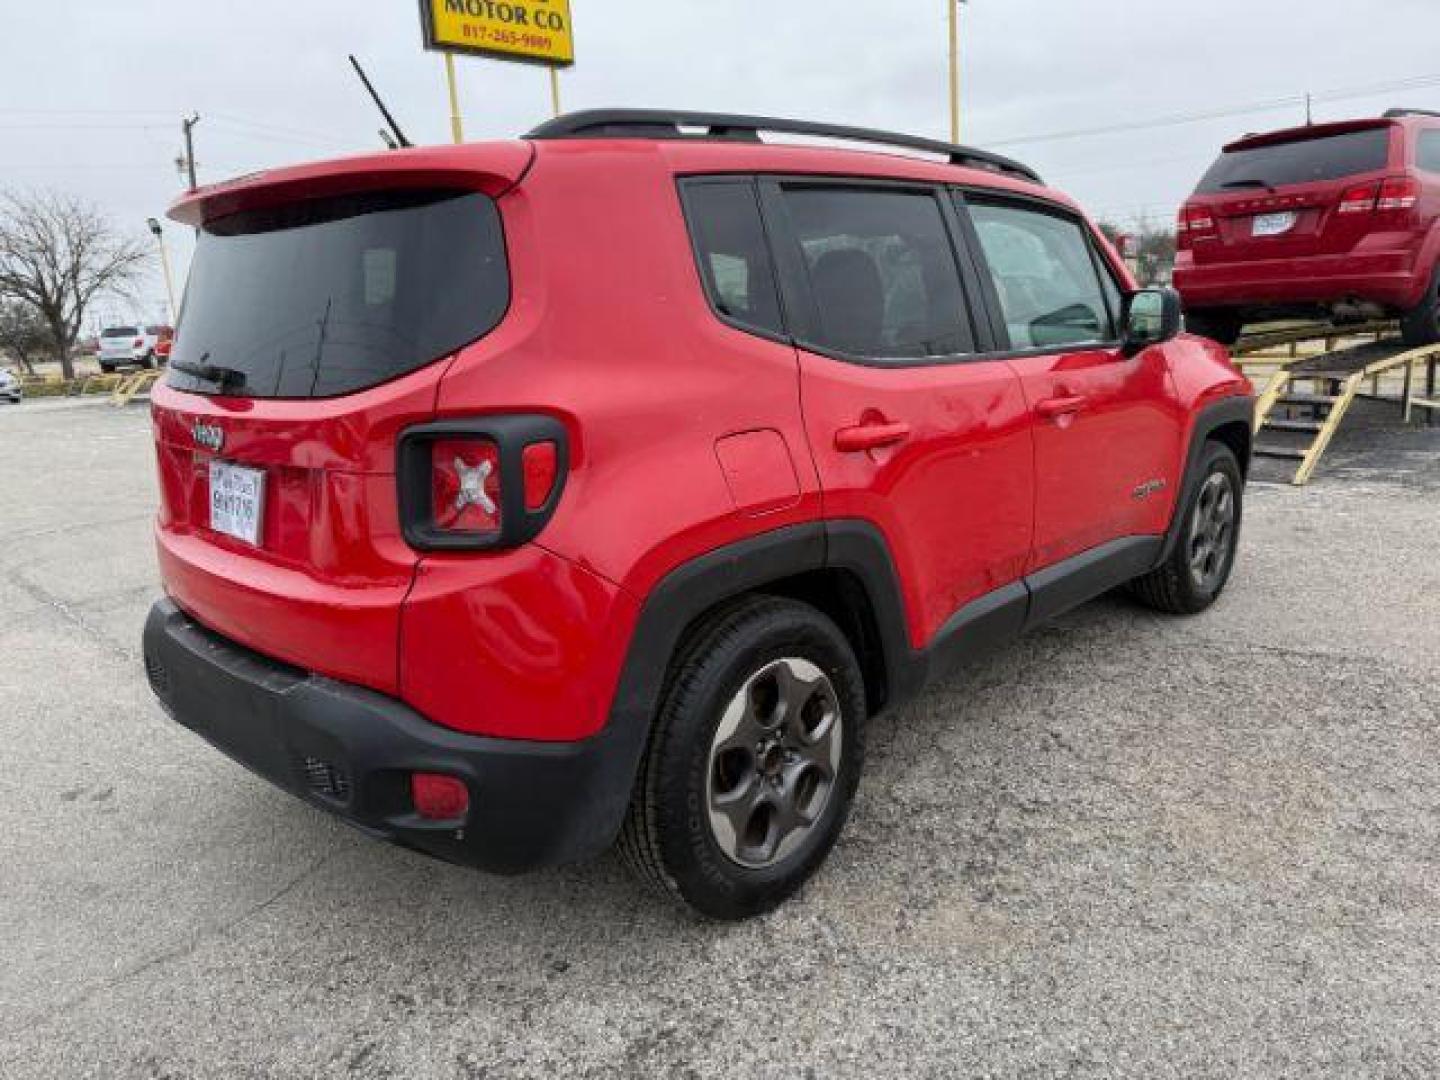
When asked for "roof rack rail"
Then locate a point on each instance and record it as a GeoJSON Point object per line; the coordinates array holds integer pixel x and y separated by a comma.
{"type": "Point", "coordinates": [663, 124]}
{"type": "Point", "coordinates": [1396, 114]}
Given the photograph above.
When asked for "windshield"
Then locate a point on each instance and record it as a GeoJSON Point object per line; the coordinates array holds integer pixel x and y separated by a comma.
{"type": "Point", "coordinates": [1304, 161]}
{"type": "Point", "coordinates": [327, 297]}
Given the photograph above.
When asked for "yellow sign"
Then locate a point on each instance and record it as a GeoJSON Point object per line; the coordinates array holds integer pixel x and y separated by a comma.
{"type": "Point", "coordinates": [531, 31]}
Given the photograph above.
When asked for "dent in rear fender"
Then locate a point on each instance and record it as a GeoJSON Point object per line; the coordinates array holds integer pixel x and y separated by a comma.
{"type": "Point", "coordinates": [523, 645]}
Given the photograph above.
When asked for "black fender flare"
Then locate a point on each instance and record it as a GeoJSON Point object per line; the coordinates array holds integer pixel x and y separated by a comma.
{"type": "Point", "coordinates": [1239, 408]}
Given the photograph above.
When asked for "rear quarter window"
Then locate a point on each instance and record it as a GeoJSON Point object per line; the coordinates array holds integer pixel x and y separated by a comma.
{"type": "Point", "coordinates": [326, 297]}
{"type": "Point", "coordinates": [1427, 151]}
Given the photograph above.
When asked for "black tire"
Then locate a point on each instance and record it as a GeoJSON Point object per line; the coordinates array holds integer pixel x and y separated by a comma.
{"type": "Point", "coordinates": [1421, 325]}
{"type": "Point", "coordinates": [149, 362]}
{"type": "Point", "coordinates": [1217, 324]}
{"type": "Point", "coordinates": [670, 837]}
{"type": "Point", "coordinates": [107, 369]}
{"type": "Point", "coordinates": [1178, 586]}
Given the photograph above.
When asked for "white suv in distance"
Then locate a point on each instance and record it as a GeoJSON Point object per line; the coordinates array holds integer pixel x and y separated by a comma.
{"type": "Point", "coordinates": [123, 346]}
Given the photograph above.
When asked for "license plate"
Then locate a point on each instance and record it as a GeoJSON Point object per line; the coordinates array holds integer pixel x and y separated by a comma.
{"type": "Point", "coordinates": [1273, 224]}
{"type": "Point", "coordinates": [237, 501]}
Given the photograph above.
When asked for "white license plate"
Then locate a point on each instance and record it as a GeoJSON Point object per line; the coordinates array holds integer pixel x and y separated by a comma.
{"type": "Point", "coordinates": [237, 501]}
{"type": "Point", "coordinates": [1273, 224]}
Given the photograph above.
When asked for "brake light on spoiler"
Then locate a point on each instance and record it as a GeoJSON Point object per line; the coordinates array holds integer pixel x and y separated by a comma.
{"type": "Point", "coordinates": [482, 483]}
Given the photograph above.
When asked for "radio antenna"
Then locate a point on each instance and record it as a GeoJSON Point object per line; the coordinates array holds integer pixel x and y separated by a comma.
{"type": "Point", "coordinates": [399, 135]}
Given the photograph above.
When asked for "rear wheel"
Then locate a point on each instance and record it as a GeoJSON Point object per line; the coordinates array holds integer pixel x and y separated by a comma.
{"type": "Point", "coordinates": [1421, 325]}
{"type": "Point", "coordinates": [1197, 569]}
{"type": "Point", "coordinates": [753, 761]}
{"type": "Point", "coordinates": [1217, 324]}
{"type": "Point", "coordinates": [107, 369]}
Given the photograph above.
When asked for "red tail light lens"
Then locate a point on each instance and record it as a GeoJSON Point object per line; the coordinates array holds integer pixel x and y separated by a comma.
{"type": "Point", "coordinates": [139, 343]}
{"type": "Point", "coordinates": [1359, 199]}
{"type": "Point", "coordinates": [465, 485]}
{"type": "Point", "coordinates": [438, 797]}
{"type": "Point", "coordinates": [1399, 193]}
{"type": "Point", "coordinates": [473, 484]}
{"type": "Point", "coordinates": [1195, 223]}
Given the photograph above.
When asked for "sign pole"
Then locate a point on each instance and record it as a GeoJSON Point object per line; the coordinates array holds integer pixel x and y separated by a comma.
{"type": "Point", "coordinates": [954, 6]}
{"type": "Point", "coordinates": [457, 127]}
{"type": "Point", "coordinates": [555, 89]}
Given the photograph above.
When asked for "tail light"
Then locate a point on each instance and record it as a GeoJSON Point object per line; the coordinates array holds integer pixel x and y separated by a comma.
{"type": "Point", "coordinates": [471, 485]}
{"type": "Point", "coordinates": [1195, 223]}
{"type": "Point", "coordinates": [139, 343]}
{"type": "Point", "coordinates": [1399, 193]}
{"type": "Point", "coordinates": [1359, 199]}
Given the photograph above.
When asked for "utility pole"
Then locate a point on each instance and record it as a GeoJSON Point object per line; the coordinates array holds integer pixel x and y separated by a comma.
{"type": "Point", "coordinates": [188, 125]}
{"type": "Point", "coordinates": [954, 6]}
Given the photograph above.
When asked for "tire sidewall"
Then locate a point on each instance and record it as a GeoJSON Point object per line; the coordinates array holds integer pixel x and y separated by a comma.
{"type": "Point", "coordinates": [703, 874]}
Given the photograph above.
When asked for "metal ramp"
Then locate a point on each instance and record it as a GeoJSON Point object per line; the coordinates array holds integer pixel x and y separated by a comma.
{"type": "Point", "coordinates": [1308, 397]}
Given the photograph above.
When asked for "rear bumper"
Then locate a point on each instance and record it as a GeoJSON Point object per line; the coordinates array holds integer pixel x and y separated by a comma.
{"type": "Point", "coordinates": [1389, 278]}
{"type": "Point", "coordinates": [350, 751]}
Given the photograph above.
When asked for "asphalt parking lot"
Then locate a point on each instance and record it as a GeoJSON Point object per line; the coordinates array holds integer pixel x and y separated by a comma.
{"type": "Point", "coordinates": [1127, 846]}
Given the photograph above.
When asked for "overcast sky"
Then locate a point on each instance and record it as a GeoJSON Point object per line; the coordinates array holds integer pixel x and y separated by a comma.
{"type": "Point", "coordinates": [92, 91]}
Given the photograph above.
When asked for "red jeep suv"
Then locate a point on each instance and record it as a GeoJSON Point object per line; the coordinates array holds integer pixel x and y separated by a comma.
{"type": "Point", "coordinates": [1337, 221]}
{"type": "Point", "coordinates": [517, 497]}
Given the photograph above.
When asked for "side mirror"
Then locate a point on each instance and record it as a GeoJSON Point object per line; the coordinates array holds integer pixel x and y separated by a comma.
{"type": "Point", "coordinates": [1152, 317]}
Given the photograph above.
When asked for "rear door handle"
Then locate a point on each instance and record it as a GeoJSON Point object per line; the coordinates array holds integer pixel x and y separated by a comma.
{"type": "Point", "coordinates": [852, 440]}
{"type": "Point", "coordinates": [1054, 408]}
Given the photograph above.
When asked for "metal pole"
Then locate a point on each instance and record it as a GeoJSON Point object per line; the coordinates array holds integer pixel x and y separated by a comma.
{"type": "Point", "coordinates": [555, 89]}
{"type": "Point", "coordinates": [457, 127]}
{"type": "Point", "coordinates": [188, 125]}
{"type": "Point", "coordinates": [165, 266]}
{"type": "Point", "coordinates": [954, 6]}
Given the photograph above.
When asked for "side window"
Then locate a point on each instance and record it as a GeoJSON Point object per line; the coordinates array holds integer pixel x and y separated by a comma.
{"type": "Point", "coordinates": [882, 272]}
{"type": "Point", "coordinates": [1050, 292]}
{"type": "Point", "coordinates": [1427, 153]}
{"type": "Point", "coordinates": [724, 220]}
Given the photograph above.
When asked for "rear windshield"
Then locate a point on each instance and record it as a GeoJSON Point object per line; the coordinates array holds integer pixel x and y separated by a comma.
{"type": "Point", "coordinates": [327, 297]}
{"type": "Point", "coordinates": [120, 331]}
{"type": "Point", "coordinates": [1330, 157]}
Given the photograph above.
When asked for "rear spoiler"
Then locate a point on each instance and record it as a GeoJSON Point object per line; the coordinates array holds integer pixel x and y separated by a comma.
{"type": "Point", "coordinates": [491, 168]}
{"type": "Point", "coordinates": [1311, 131]}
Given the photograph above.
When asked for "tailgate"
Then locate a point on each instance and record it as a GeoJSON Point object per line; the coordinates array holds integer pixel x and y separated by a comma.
{"type": "Point", "coordinates": [322, 309]}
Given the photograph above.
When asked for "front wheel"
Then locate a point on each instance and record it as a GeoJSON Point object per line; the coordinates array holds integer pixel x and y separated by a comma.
{"type": "Point", "coordinates": [1197, 569]}
{"type": "Point", "coordinates": [753, 761]}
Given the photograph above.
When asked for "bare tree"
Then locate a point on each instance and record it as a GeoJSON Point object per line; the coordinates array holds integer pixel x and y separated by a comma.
{"type": "Point", "coordinates": [57, 254]}
{"type": "Point", "coordinates": [23, 333]}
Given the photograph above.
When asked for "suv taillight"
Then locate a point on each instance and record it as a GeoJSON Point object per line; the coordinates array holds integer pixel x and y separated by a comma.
{"type": "Point", "coordinates": [1195, 223]}
{"type": "Point", "coordinates": [470, 485]}
{"type": "Point", "coordinates": [139, 343]}
{"type": "Point", "coordinates": [1359, 199]}
{"type": "Point", "coordinates": [1399, 193]}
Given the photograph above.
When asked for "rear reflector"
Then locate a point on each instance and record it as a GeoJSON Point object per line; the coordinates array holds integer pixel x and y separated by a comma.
{"type": "Point", "coordinates": [539, 462]}
{"type": "Point", "coordinates": [438, 797]}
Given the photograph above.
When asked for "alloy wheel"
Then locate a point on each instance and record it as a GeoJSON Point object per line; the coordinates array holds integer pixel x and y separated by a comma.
{"type": "Point", "coordinates": [773, 762]}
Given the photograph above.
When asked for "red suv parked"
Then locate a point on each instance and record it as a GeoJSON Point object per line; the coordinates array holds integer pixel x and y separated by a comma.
{"type": "Point", "coordinates": [1333, 220]}
{"type": "Point", "coordinates": [520, 496]}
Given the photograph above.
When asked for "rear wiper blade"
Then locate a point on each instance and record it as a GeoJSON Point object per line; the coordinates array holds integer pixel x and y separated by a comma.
{"type": "Point", "coordinates": [222, 377]}
{"type": "Point", "coordinates": [1248, 183]}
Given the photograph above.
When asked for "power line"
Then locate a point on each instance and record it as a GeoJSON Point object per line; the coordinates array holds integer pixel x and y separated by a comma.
{"type": "Point", "coordinates": [1418, 82]}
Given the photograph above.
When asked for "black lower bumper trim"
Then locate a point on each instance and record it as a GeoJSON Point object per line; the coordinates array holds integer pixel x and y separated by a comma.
{"type": "Point", "coordinates": [351, 751]}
